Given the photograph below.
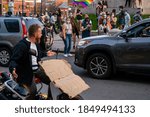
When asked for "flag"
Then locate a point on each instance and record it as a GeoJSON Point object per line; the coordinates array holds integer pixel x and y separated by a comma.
{"type": "Point", "coordinates": [83, 3]}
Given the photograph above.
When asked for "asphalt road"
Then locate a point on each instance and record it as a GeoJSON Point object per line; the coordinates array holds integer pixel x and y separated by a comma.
{"type": "Point", "coordinates": [122, 86]}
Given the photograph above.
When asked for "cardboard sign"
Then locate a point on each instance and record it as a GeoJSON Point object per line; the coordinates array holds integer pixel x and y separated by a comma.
{"type": "Point", "coordinates": [60, 73]}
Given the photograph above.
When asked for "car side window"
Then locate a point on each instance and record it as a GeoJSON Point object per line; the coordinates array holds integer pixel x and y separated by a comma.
{"type": "Point", "coordinates": [134, 31]}
{"type": "Point", "coordinates": [145, 32]}
{"type": "Point", "coordinates": [12, 25]}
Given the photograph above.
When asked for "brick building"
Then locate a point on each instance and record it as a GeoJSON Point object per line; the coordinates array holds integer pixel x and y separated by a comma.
{"type": "Point", "coordinates": [28, 6]}
{"type": "Point", "coordinates": [59, 2]}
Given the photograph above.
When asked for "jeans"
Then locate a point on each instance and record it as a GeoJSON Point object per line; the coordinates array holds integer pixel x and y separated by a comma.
{"type": "Point", "coordinates": [67, 43]}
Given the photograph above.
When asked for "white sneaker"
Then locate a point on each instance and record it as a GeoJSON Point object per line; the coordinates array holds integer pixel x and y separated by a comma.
{"type": "Point", "coordinates": [70, 55]}
{"type": "Point", "coordinates": [65, 55]}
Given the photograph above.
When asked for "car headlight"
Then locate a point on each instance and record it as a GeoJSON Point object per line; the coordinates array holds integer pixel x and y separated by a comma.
{"type": "Point", "coordinates": [83, 42]}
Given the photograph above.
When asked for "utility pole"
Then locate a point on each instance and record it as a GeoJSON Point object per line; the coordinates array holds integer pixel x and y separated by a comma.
{"type": "Point", "coordinates": [41, 10]}
{"type": "Point", "coordinates": [34, 7]}
{"type": "Point", "coordinates": [22, 7]}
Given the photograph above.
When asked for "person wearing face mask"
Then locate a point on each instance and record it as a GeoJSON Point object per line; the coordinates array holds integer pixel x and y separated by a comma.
{"type": "Point", "coordinates": [121, 17]}
{"type": "Point", "coordinates": [79, 17]}
{"type": "Point", "coordinates": [86, 27]}
{"type": "Point", "coordinates": [24, 63]}
{"type": "Point", "coordinates": [67, 34]}
{"type": "Point", "coordinates": [75, 29]}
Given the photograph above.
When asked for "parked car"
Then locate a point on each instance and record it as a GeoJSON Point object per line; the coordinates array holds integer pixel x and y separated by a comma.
{"type": "Point", "coordinates": [12, 30]}
{"type": "Point", "coordinates": [129, 50]}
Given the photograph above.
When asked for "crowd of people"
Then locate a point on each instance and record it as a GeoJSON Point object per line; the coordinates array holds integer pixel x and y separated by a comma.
{"type": "Point", "coordinates": [73, 23]}
{"type": "Point", "coordinates": [67, 26]}
{"type": "Point", "coordinates": [110, 20]}
{"type": "Point", "coordinates": [133, 3]}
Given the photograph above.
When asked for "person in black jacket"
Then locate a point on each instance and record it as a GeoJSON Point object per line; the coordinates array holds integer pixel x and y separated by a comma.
{"type": "Point", "coordinates": [24, 64]}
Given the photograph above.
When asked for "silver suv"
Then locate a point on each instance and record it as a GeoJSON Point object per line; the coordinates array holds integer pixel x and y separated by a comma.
{"type": "Point", "coordinates": [12, 30]}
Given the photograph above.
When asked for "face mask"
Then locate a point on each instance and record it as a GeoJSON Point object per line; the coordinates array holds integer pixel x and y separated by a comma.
{"type": "Point", "coordinates": [68, 22]}
{"type": "Point", "coordinates": [71, 15]}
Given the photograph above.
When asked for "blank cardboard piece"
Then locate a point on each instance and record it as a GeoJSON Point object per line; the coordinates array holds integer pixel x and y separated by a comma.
{"type": "Point", "coordinates": [60, 73]}
{"type": "Point", "coordinates": [56, 69]}
{"type": "Point", "coordinates": [72, 85]}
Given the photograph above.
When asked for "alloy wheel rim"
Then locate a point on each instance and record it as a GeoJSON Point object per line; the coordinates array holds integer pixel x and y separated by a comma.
{"type": "Point", "coordinates": [98, 66]}
{"type": "Point", "coordinates": [4, 57]}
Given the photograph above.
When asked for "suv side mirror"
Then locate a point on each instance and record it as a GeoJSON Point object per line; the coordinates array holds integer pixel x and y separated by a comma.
{"type": "Point", "coordinates": [124, 34]}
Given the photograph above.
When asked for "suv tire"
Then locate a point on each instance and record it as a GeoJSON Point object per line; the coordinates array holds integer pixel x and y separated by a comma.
{"type": "Point", "coordinates": [99, 66]}
{"type": "Point", "coordinates": [5, 55]}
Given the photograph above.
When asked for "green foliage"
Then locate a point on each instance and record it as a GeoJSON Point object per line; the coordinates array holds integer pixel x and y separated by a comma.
{"type": "Point", "coordinates": [95, 23]}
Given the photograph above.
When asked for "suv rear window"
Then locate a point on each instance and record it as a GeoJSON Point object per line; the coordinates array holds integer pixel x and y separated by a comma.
{"type": "Point", "coordinates": [12, 25]}
{"type": "Point", "coordinates": [31, 21]}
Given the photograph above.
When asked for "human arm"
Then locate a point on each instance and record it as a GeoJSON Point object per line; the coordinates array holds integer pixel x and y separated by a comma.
{"type": "Point", "coordinates": [18, 53]}
{"type": "Point", "coordinates": [64, 31]}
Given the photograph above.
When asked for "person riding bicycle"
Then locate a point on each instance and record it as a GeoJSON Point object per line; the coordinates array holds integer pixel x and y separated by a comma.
{"type": "Point", "coordinates": [24, 61]}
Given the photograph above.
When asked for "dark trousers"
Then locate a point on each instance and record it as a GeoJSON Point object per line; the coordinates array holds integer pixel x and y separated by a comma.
{"type": "Point", "coordinates": [128, 2]}
{"type": "Point", "coordinates": [45, 79]}
{"type": "Point", "coordinates": [54, 28]}
{"type": "Point", "coordinates": [32, 89]}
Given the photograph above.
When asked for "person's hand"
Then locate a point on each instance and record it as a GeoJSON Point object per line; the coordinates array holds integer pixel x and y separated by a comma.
{"type": "Point", "coordinates": [14, 74]}
{"type": "Point", "coordinates": [89, 25]}
{"type": "Point", "coordinates": [50, 53]}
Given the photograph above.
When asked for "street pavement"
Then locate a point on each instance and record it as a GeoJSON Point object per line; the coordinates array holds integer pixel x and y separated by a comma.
{"type": "Point", "coordinates": [59, 44]}
{"type": "Point", "coordinates": [122, 86]}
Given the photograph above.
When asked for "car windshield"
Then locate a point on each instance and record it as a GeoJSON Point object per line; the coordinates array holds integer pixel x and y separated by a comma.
{"type": "Point", "coordinates": [30, 21]}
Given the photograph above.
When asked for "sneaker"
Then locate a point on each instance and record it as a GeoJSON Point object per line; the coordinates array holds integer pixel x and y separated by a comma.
{"type": "Point", "coordinates": [70, 55]}
{"type": "Point", "coordinates": [65, 55]}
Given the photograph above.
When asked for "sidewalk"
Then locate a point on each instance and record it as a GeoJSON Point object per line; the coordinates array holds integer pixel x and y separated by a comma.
{"type": "Point", "coordinates": [59, 44]}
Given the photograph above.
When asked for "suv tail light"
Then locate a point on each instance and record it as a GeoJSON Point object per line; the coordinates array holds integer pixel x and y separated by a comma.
{"type": "Point", "coordinates": [24, 29]}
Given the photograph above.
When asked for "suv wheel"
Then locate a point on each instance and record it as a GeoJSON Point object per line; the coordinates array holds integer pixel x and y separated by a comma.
{"type": "Point", "coordinates": [4, 57]}
{"type": "Point", "coordinates": [99, 66]}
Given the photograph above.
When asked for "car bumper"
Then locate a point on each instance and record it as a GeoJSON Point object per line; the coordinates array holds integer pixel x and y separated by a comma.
{"type": "Point", "coordinates": [79, 57]}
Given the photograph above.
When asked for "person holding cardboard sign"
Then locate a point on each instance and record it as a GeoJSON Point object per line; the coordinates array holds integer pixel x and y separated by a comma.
{"type": "Point", "coordinates": [25, 58]}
